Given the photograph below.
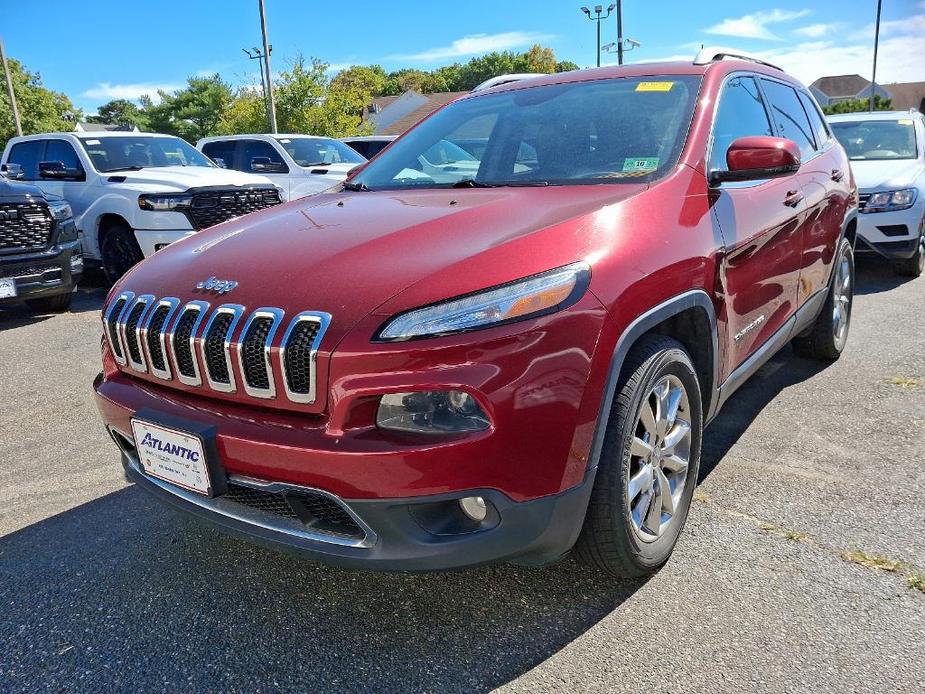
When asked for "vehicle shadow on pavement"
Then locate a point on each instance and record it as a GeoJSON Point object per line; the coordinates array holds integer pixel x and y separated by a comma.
{"type": "Point", "coordinates": [85, 299]}
{"type": "Point", "coordinates": [119, 593]}
{"type": "Point", "coordinates": [874, 276]}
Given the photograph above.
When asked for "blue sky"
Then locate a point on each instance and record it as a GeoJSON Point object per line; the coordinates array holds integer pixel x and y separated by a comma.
{"type": "Point", "coordinates": [106, 49]}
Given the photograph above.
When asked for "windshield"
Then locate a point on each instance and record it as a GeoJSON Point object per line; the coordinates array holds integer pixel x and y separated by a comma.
{"type": "Point", "coordinates": [315, 151]}
{"type": "Point", "coordinates": [877, 139]}
{"type": "Point", "coordinates": [132, 153]}
{"type": "Point", "coordinates": [602, 131]}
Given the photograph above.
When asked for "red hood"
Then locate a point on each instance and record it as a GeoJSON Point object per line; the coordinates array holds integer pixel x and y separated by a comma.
{"type": "Point", "coordinates": [349, 253]}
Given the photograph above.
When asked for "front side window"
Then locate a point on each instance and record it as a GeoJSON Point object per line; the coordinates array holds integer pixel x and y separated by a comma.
{"type": "Point", "coordinates": [740, 113]}
{"type": "Point", "coordinates": [791, 119]}
{"type": "Point", "coordinates": [27, 155]}
{"type": "Point", "coordinates": [110, 154]}
{"type": "Point", "coordinates": [318, 151]}
{"type": "Point", "coordinates": [59, 150]}
{"type": "Point", "coordinates": [877, 139]}
{"type": "Point", "coordinates": [601, 131]}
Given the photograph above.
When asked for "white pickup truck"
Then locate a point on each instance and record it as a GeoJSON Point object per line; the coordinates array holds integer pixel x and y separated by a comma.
{"type": "Point", "coordinates": [299, 164]}
{"type": "Point", "coordinates": [134, 193]}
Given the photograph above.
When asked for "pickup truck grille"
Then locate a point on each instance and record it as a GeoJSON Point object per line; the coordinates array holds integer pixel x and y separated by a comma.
{"type": "Point", "coordinates": [24, 227]}
{"type": "Point", "coordinates": [213, 207]}
{"type": "Point", "coordinates": [200, 346]}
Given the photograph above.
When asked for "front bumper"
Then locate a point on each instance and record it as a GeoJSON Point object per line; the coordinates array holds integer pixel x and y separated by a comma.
{"type": "Point", "coordinates": [41, 274]}
{"type": "Point", "coordinates": [891, 235]}
{"type": "Point", "coordinates": [153, 240]}
{"type": "Point", "coordinates": [411, 534]}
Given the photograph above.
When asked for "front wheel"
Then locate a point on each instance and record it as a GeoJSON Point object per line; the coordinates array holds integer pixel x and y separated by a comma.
{"type": "Point", "coordinates": [120, 251]}
{"type": "Point", "coordinates": [827, 337]}
{"type": "Point", "coordinates": [914, 266]}
{"type": "Point", "coordinates": [649, 462]}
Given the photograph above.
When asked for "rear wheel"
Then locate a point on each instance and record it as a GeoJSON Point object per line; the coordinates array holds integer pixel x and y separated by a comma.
{"type": "Point", "coordinates": [51, 304]}
{"type": "Point", "coordinates": [119, 251]}
{"type": "Point", "coordinates": [827, 337]}
{"type": "Point", "coordinates": [649, 462]}
{"type": "Point", "coordinates": [914, 266]}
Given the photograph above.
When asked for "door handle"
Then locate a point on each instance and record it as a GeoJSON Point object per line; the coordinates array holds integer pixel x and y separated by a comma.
{"type": "Point", "coordinates": [837, 174]}
{"type": "Point", "coordinates": [793, 198]}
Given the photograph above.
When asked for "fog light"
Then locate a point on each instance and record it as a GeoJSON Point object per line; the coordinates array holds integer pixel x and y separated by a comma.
{"type": "Point", "coordinates": [474, 507]}
{"type": "Point", "coordinates": [431, 412]}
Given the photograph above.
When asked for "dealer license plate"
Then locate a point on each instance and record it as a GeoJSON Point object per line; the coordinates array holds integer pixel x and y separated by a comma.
{"type": "Point", "coordinates": [7, 288]}
{"type": "Point", "coordinates": [173, 456]}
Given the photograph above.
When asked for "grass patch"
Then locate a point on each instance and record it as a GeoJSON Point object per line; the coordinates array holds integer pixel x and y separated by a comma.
{"type": "Point", "coordinates": [904, 382]}
{"type": "Point", "coordinates": [872, 561]}
{"type": "Point", "coordinates": [792, 535]}
{"type": "Point", "coordinates": [916, 581]}
{"type": "Point", "coordinates": [701, 496]}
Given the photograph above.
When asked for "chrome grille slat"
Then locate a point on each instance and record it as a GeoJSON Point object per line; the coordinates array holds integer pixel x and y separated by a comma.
{"type": "Point", "coordinates": [215, 347]}
{"type": "Point", "coordinates": [298, 353]}
{"type": "Point", "coordinates": [182, 339]}
{"type": "Point", "coordinates": [254, 350]}
{"type": "Point", "coordinates": [114, 315]}
{"type": "Point", "coordinates": [154, 336]}
{"type": "Point", "coordinates": [131, 333]}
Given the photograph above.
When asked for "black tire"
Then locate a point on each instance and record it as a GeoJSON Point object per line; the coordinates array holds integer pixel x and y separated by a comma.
{"type": "Point", "coordinates": [51, 304]}
{"type": "Point", "coordinates": [609, 538]}
{"type": "Point", "coordinates": [825, 340]}
{"type": "Point", "coordinates": [119, 251]}
{"type": "Point", "coordinates": [914, 266]}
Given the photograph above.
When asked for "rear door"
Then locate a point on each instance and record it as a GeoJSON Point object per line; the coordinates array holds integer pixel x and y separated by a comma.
{"type": "Point", "coordinates": [761, 226]}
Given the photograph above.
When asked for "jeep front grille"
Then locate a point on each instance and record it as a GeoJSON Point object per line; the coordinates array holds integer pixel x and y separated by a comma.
{"type": "Point", "coordinates": [204, 347]}
{"type": "Point", "coordinates": [25, 226]}
{"type": "Point", "coordinates": [209, 208]}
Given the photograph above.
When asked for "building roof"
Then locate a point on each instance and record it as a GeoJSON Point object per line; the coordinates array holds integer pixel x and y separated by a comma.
{"type": "Point", "coordinates": [399, 113]}
{"type": "Point", "coordinates": [835, 86]}
{"type": "Point", "coordinates": [906, 95]}
{"type": "Point", "coordinates": [103, 127]}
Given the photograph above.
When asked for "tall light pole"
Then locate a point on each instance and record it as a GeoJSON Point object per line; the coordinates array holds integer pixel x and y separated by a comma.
{"type": "Point", "coordinates": [266, 66]}
{"type": "Point", "coordinates": [257, 54]}
{"type": "Point", "coordinates": [9, 90]}
{"type": "Point", "coordinates": [619, 32]}
{"type": "Point", "coordinates": [873, 79]}
{"type": "Point", "coordinates": [598, 9]}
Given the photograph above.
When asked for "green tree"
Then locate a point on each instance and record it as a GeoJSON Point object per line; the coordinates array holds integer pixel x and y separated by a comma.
{"type": "Point", "coordinates": [537, 59]}
{"type": "Point", "coordinates": [41, 110]}
{"type": "Point", "coordinates": [566, 66]}
{"type": "Point", "coordinates": [120, 112]}
{"type": "Point", "coordinates": [193, 112]}
{"type": "Point", "coordinates": [855, 105]}
{"type": "Point", "coordinates": [247, 113]}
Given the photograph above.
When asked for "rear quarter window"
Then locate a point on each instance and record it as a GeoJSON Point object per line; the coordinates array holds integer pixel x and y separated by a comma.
{"type": "Point", "coordinates": [820, 129]}
{"type": "Point", "coordinates": [792, 121]}
{"type": "Point", "coordinates": [27, 155]}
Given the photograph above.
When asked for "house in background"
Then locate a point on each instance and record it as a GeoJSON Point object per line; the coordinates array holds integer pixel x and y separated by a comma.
{"type": "Point", "coordinates": [907, 95]}
{"type": "Point", "coordinates": [84, 127]}
{"type": "Point", "coordinates": [830, 90]}
{"type": "Point", "coordinates": [393, 115]}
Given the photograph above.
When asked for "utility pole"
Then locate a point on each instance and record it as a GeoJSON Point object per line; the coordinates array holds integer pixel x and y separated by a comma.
{"type": "Point", "coordinates": [873, 80]}
{"type": "Point", "coordinates": [619, 32]}
{"type": "Point", "coordinates": [9, 90]}
{"type": "Point", "coordinates": [597, 11]}
{"type": "Point", "coordinates": [266, 67]}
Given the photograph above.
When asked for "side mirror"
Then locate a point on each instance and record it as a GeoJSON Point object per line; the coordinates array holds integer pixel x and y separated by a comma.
{"type": "Point", "coordinates": [220, 163]}
{"type": "Point", "coordinates": [759, 157]}
{"type": "Point", "coordinates": [266, 165]}
{"type": "Point", "coordinates": [11, 171]}
{"type": "Point", "coordinates": [56, 170]}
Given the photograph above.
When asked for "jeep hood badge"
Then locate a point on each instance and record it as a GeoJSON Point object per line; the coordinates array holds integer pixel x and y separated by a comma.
{"type": "Point", "coordinates": [214, 284]}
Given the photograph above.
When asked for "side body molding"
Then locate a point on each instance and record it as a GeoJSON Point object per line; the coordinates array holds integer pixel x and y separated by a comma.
{"type": "Point", "coordinates": [696, 298]}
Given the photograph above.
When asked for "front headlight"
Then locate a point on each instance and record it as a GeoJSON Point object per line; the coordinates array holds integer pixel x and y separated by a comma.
{"type": "Point", "coordinates": [164, 202]}
{"type": "Point", "coordinates": [60, 210]}
{"type": "Point", "coordinates": [526, 298]}
{"type": "Point", "coordinates": [890, 200]}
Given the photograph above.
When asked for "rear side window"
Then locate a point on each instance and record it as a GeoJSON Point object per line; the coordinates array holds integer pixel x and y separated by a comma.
{"type": "Point", "coordinates": [223, 149]}
{"type": "Point", "coordinates": [59, 150]}
{"type": "Point", "coordinates": [791, 119]}
{"type": "Point", "coordinates": [741, 113]}
{"type": "Point", "coordinates": [257, 148]}
{"type": "Point", "coordinates": [820, 129]}
{"type": "Point", "coordinates": [27, 155]}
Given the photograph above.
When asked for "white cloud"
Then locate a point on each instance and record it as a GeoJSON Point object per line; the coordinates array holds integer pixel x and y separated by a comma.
{"type": "Point", "coordinates": [754, 26]}
{"type": "Point", "coordinates": [133, 92]}
{"type": "Point", "coordinates": [475, 44]}
{"type": "Point", "coordinates": [814, 31]}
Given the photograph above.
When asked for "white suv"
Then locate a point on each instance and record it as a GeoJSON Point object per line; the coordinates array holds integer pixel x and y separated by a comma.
{"type": "Point", "coordinates": [887, 153]}
{"type": "Point", "coordinates": [299, 164]}
{"type": "Point", "coordinates": [134, 193]}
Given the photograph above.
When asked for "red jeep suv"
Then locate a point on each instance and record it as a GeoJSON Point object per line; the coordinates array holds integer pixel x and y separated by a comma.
{"type": "Point", "coordinates": [458, 361]}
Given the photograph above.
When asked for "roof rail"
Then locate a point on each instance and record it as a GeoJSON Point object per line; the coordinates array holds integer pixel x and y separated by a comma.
{"type": "Point", "coordinates": [709, 54]}
{"type": "Point", "coordinates": [505, 79]}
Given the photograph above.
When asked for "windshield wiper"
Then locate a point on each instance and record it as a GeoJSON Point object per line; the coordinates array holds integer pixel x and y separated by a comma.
{"type": "Point", "coordinates": [472, 183]}
{"type": "Point", "coordinates": [124, 168]}
{"type": "Point", "coordinates": [356, 187]}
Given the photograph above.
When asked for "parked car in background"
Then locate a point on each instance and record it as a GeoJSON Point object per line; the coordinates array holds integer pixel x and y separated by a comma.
{"type": "Point", "coordinates": [135, 193]}
{"type": "Point", "coordinates": [887, 153]}
{"type": "Point", "coordinates": [368, 146]}
{"type": "Point", "coordinates": [299, 164]}
{"type": "Point", "coordinates": [451, 370]}
{"type": "Point", "coordinates": [40, 259]}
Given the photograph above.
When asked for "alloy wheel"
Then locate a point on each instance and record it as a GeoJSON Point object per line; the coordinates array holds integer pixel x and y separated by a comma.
{"type": "Point", "coordinates": [659, 458]}
{"type": "Point", "coordinates": [841, 299]}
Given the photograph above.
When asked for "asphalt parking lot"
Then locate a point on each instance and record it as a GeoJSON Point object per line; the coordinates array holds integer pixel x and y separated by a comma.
{"type": "Point", "coordinates": [103, 589]}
